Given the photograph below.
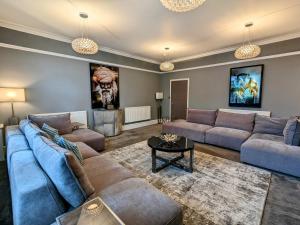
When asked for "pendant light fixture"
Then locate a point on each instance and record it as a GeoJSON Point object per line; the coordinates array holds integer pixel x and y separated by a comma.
{"type": "Point", "coordinates": [166, 66]}
{"type": "Point", "coordinates": [181, 5]}
{"type": "Point", "coordinates": [84, 45]}
{"type": "Point", "coordinates": [248, 50]}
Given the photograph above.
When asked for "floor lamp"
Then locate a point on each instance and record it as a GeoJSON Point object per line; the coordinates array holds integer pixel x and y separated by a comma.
{"type": "Point", "coordinates": [12, 95]}
{"type": "Point", "coordinates": [159, 96]}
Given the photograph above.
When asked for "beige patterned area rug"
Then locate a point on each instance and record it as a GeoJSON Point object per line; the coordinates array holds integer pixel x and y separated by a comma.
{"type": "Point", "coordinates": [218, 192]}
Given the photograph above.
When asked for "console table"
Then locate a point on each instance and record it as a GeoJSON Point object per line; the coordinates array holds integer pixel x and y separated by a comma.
{"type": "Point", "coordinates": [108, 122]}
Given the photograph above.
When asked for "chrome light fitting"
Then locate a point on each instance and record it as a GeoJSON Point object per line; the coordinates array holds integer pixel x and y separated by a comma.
{"type": "Point", "coordinates": [248, 50]}
{"type": "Point", "coordinates": [84, 45]}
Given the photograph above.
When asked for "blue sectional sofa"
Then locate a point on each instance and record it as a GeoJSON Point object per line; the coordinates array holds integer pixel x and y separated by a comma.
{"type": "Point", "coordinates": [45, 185]}
{"type": "Point", "coordinates": [260, 139]}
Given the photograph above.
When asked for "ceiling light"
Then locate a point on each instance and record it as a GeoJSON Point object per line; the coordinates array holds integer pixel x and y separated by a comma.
{"type": "Point", "coordinates": [248, 50]}
{"type": "Point", "coordinates": [166, 66]}
{"type": "Point", "coordinates": [182, 5]}
{"type": "Point", "coordinates": [84, 45]}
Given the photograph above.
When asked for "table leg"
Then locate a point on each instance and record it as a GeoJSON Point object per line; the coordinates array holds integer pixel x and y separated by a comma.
{"type": "Point", "coordinates": [191, 159]}
{"type": "Point", "coordinates": [153, 160]}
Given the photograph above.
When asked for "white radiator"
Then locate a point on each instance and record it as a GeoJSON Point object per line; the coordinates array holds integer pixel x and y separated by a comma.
{"type": "Point", "coordinates": [136, 114]}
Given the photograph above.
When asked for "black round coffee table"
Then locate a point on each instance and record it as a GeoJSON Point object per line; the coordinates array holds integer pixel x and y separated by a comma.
{"type": "Point", "coordinates": [181, 145]}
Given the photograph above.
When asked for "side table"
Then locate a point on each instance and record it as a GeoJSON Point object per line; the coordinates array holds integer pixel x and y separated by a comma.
{"type": "Point", "coordinates": [108, 122]}
{"type": "Point", "coordinates": [94, 212]}
{"type": "Point", "coordinates": [1, 142]}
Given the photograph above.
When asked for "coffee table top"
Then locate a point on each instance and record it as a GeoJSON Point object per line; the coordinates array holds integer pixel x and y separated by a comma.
{"type": "Point", "coordinates": [181, 145]}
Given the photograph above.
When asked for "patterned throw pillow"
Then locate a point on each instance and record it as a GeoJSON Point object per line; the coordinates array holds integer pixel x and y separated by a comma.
{"type": "Point", "coordinates": [49, 130]}
{"type": "Point", "coordinates": [69, 146]}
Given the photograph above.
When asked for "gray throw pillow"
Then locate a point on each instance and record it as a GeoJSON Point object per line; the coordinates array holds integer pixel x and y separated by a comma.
{"type": "Point", "coordinates": [296, 139]}
{"type": "Point", "coordinates": [61, 122]}
{"type": "Point", "coordinates": [200, 116]}
{"type": "Point", "coordinates": [269, 125]}
{"type": "Point", "coordinates": [289, 131]}
{"type": "Point", "coordinates": [235, 120]}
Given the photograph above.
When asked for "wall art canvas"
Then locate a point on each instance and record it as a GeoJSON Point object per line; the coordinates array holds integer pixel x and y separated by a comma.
{"type": "Point", "coordinates": [246, 86]}
{"type": "Point", "coordinates": [104, 86]}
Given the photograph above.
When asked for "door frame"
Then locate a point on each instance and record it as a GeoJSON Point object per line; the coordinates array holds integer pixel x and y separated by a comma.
{"type": "Point", "coordinates": [188, 94]}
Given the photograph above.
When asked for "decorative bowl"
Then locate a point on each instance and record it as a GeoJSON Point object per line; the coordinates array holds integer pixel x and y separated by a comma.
{"type": "Point", "coordinates": [170, 138]}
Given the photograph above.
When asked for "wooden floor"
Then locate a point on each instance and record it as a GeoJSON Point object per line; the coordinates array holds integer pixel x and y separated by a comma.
{"type": "Point", "coordinates": [130, 137]}
{"type": "Point", "coordinates": [283, 201]}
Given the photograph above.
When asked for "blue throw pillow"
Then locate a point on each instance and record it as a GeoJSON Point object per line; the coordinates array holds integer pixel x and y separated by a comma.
{"type": "Point", "coordinates": [62, 142]}
{"type": "Point", "coordinates": [49, 130]}
{"type": "Point", "coordinates": [30, 130]}
{"type": "Point", "coordinates": [64, 170]}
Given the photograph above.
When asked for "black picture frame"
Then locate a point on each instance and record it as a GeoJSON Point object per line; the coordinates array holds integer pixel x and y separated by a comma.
{"type": "Point", "coordinates": [105, 92]}
{"type": "Point", "coordinates": [248, 94]}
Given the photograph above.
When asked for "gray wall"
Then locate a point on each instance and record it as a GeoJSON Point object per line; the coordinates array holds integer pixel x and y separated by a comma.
{"type": "Point", "coordinates": [266, 50]}
{"type": "Point", "coordinates": [18, 38]}
{"type": "Point", "coordinates": [209, 87]}
{"type": "Point", "coordinates": [55, 84]}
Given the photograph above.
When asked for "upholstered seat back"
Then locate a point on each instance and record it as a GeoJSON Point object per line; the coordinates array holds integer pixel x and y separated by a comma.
{"type": "Point", "coordinates": [35, 200]}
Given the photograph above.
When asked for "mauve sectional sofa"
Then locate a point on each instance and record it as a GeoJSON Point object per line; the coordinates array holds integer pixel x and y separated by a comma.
{"type": "Point", "coordinates": [47, 181]}
{"type": "Point", "coordinates": [259, 139]}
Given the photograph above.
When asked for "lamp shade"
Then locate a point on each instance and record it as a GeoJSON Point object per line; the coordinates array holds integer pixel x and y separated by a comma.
{"type": "Point", "coordinates": [12, 95]}
{"type": "Point", "coordinates": [159, 95]}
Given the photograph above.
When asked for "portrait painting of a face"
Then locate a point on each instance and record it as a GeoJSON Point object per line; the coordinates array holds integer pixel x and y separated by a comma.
{"type": "Point", "coordinates": [246, 86]}
{"type": "Point", "coordinates": [104, 86]}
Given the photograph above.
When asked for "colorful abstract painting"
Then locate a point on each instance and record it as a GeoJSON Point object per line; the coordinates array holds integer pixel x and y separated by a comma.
{"type": "Point", "coordinates": [246, 86]}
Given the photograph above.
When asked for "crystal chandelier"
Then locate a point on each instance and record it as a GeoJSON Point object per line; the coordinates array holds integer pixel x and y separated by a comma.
{"type": "Point", "coordinates": [166, 66]}
{"type": "Point", "coordinates": [248, 50]}
{"type": "Point", "coordinates": [84, 45]}
{"type": "Point", "coordinates": [182, 5]}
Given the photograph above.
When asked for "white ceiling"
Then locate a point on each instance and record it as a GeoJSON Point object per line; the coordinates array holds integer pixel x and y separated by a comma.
{"type": "Point", "coordinates": [145, 27]}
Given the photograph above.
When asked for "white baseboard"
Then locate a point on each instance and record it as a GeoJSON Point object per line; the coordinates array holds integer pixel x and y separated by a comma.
{"type": "Point", "coordinates": [140, 124]}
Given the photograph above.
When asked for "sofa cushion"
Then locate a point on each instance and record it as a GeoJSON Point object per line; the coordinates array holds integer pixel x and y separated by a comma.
{"type": "Point", "coordinates": [15, 142]}
{"type": "Point", "coordinates": [90, 137]}
{"type": "Point", "coordinates": [272, 155]}
{"type": "Point", "coordinates": [30, 130]}
{"type": "Point", "coordinates": [124, 198]}
{"type": "Point", "coordinates": [235, 120]}
{"type": "Point", "coordinates": [85, 150]}
{"type": "Point", "coordinates": [64, 171]}
{"type": "Point", "coordinates": [35, 199]}
{"type": "Point", "coordinates": [291, 132]}
{"type": "Point", "coordinates": [269, 125]}
{"type": "Point", "coordinates": [104, 172]}
{"type": "Point", "coordinates": [207, 117]}
{"type": "Point", "coordinates": [270, 137]}
{"type": "Point", "coordinates": [226, 137]}
{"type": "Point", "coordinates": [72, 137]}
{"type": "Point", "coordinates": [193, 131]}
{"type": "Point", "coordinates": [61, 122]}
